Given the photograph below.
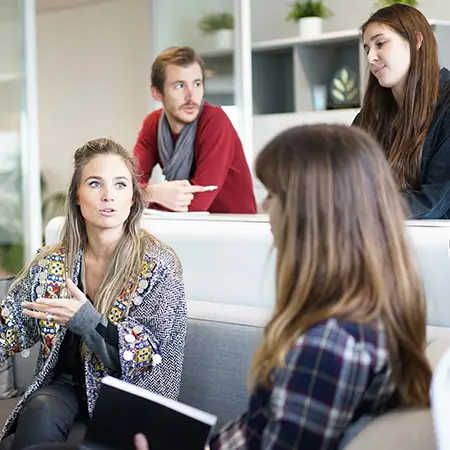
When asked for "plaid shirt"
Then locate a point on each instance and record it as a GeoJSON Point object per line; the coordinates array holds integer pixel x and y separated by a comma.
{"type": "Point", "coordinates": [335, 373]}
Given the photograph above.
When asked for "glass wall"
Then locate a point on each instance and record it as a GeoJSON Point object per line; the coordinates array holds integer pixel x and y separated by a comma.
{"type": "Point", "coordinates": [208, 27]}
{"type": "Point", "coordinates": [219, 30]}
{"type": "Point", "coordinates": [19, 168]}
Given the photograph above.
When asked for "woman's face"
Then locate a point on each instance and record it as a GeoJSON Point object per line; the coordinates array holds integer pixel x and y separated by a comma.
{"type": "Point", "coordinates": [272, 207]}
{"type": "Point", "coordinates": [388, 55]}
{"type": "Point", "coordinates": [105, 194]}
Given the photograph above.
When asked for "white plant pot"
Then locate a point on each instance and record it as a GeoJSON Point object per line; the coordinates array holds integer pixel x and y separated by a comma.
{"type": "Point", "coordinates": [310, 26]}
{"type": "Point", "coordinates": [223, 39]}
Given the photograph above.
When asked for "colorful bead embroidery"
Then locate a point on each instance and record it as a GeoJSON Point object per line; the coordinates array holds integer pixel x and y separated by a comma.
{"type": "Point", "coordinates": [51, 282]}
{"type": "Point", "coordinates": [136, 368]}
{"type": "Point", "coordinates": [51, 285]}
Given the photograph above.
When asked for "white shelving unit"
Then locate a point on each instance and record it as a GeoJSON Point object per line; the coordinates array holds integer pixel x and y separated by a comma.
{"type": "Point", "coordinates": [285, 70]}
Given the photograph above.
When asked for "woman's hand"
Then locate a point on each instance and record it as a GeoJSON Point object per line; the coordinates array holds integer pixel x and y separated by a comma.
{"type": "Point", "coordinates": [141, 443]}
{"type": "Point", "coordinates": [56, 310]}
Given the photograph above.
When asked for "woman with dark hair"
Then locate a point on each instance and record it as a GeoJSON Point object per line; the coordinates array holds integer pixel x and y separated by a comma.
{"type": "Point", "coordinates": [108, 299]}
{"type": "Point", "coordinates": [406, 107]}
{"type": "Point", "coordinates": [347, 337]}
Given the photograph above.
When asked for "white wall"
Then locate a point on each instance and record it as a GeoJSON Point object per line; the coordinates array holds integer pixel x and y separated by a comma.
{"type": "Point", "coordinates": [93, 66]}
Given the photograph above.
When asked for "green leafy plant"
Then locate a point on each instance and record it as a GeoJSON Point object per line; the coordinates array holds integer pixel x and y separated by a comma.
{"type": "Point", "coordinates": [11, 226]}
{"type": "Point", "coordinates": [308, 8]}
{"type": "Point", "coordinates": [211, 23]}
{"type": "Point", "coordinates": [383, 3]}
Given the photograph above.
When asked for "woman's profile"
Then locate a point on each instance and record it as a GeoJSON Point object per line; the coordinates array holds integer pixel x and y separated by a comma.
{"type": "Point", "coordinates": [347, 337]}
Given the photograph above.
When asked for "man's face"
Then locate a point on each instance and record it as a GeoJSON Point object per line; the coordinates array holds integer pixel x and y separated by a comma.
{"type": "Point", "coordinates": [182, 95]}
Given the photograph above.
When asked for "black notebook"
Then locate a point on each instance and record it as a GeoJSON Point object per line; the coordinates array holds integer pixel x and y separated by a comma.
{"type": "Point", "coordinates": [123, 410]}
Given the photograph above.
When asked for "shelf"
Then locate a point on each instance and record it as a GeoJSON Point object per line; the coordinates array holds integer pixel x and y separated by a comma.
{"type": "Point", "coordinates": [217, 53]}
{"type": "Point", "coordinates": [437, 22]}
{"type": "Point", "coordinates": [275, 44]}
{"type": "Point", "coordinates": [324, 38]}
{"type": "Point", "coordinates": [333, 37]}
{"type": "Point", "coordinates": [326, 116]}
{"type": "Point", "coordinates": [285, 72]}
{"type": "Point", "coordinates": [8, 77]}
{"type": "Point", "coordinates": [266, 126]}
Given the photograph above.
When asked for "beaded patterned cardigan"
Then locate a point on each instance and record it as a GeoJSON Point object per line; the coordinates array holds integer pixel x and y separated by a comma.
{"type": "Point", "coordinates": [151, 325]}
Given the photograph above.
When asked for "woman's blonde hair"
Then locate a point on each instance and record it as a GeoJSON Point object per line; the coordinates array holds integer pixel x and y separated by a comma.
{"type": "Point", "coordinates": [342, 249]}
{"type": "Point", "coordinates": [126, 260]}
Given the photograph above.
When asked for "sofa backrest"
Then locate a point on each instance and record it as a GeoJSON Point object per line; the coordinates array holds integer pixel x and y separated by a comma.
{"type": "Point", "coordinates": [221, 340]}
{"type": "Point", "coordinates": [440, 401]}
{"type": "Point", "coordinates": [224, 260]}
{"type": "Point", "coordinates": [229, 259]}
{"type": "Point", "coordinates": [430, 242]}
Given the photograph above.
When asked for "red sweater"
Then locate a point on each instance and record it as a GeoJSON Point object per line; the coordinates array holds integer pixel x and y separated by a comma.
{"type": "Point", "coordinates": [218, 158]}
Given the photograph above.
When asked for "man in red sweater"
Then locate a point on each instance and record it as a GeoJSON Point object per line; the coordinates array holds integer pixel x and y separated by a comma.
{"type": "Point", "coordinates": [194, 142]}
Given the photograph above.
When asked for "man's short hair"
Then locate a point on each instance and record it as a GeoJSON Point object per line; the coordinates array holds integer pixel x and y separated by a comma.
{"type": "Point", "coordinates": [179, 56]}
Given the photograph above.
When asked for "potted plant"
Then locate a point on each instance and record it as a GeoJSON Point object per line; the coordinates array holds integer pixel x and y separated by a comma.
{"type": "Point", "coordinates": [383, 3]}
{"type": "Point", "coordinates": [11, 232]}
{"type": "Point", "coordinates": [309, 14]}
{"type": "Point", "coordinates": [220, 26]}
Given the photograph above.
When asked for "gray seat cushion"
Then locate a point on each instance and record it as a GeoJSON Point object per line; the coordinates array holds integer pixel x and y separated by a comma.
{"type": "Point", "coordinates": [25, 368]}
{"type": "Point", "coordinates": [399, 430]}
{"type": "Point", "coordinates": [217, 361]}
{"type": "Point", "coordinates": [17, 373]}
{"type": "Point", "coordinates": [7, 386]}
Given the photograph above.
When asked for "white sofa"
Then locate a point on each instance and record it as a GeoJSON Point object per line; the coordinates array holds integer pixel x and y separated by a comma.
{"type": "Point", "coordinates": [229, 259]}
{"type": "Point", "coordinates": [229, 274]}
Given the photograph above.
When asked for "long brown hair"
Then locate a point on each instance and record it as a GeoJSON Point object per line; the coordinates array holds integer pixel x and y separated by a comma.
{"type": "Point", "coordinates": [402, 131]}
{"type": "Point", "coordinates": [342, 249]}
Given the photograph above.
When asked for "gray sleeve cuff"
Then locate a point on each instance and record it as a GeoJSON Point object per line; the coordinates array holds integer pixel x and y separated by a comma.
{"type": "Point", "coordinates": [85, 323]}
{"type": "Point", "coordinates": [85, 320]}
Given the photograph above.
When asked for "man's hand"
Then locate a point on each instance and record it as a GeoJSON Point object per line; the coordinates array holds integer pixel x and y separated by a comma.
{"type": "Point", "coordinates": [174, 195]}
{"type": "Point", "coordinates": [58, 310]}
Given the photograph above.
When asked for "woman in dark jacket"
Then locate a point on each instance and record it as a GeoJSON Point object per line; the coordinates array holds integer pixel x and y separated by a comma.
{"type": "Point", "coordinates": [407, 107]}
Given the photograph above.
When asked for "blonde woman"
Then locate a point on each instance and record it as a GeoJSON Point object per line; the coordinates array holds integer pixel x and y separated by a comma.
{"type": "Point", "coordinates": [347, 336]}
{"type": "Point", "coordinates": [108, 299]}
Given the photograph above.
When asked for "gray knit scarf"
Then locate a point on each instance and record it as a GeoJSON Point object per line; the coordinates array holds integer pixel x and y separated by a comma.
{"type": "Point", "coordinates": [176, 160]}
